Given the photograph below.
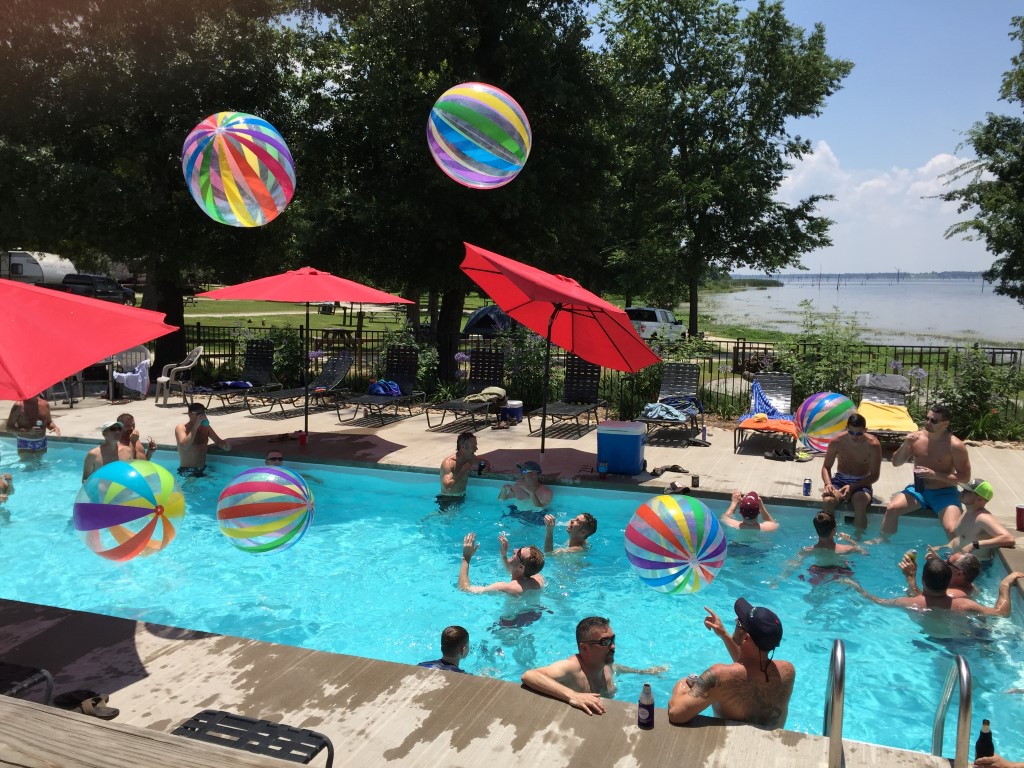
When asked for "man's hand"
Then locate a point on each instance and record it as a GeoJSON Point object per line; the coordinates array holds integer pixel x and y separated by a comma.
{"type": "Point", "coordinates": [712, 622]}
{"type": "Point", "coordinates": [1012, 577]}
{"type": "Point", "coordinates": [133, 438]}
{"type": "Point", "coordinates": [549, 522]}
{"type": "Point", "coordinates": [908, 565]}
{"type": "Point", "coordinates": [737, 496]}
{"type": "Point", "coordinates": [469, 547]}
{"type": "Point", "coordinates": [502, 545]}
{"type": "Point", "coordinates": [587, 702]}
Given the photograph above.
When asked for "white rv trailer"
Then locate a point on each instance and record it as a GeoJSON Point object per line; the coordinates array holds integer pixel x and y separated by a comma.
{"type": "Point", "coordinates": [34, 267]}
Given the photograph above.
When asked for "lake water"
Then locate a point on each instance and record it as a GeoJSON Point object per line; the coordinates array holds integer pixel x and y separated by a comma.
{"type": "Point", "coordinates": [916, 311]}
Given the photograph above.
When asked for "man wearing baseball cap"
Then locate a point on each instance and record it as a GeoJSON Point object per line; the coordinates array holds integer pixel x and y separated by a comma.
{"type": "Point", "coordinates": [753, 514]}
{"type": "Point", "coordinates": [978, 532]}
{"type": "Point", "coordinates": [110, 451]}
{"type": "Point", "coordinates": [752, 689]}
{"type": "Point", "coordinates": [527, 486]}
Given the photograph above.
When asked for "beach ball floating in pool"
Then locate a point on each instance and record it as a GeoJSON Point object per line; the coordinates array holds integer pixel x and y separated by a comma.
{"type": "Point", "coordinates": [479, 135]}
{"type": "Point", "coordinates": [822, 417]}
{"type": "Point", "coordinates": [127, 510]}
{"type": "Point", "coordinates": [265, 509]}
{"type": "Point", "coordinates": [238, 169]}
{"type": "Point", "coordinates": [675, 544]}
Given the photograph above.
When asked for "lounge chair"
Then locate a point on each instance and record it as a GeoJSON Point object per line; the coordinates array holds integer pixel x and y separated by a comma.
{"type": "Point", "coordinates": [771, 405]}
{"type": "Point", "coordinates": [486, 369]}
{"type": "Point", "coordinates": [579, 396]}
{"type": "Point", "coordinates": [323, 386]}
{"type": "Point", "coordinates": [261, 737]}
{"type": "Point", "coordinates": [258, 372]}
{"type": "Point", "coordinates": [177, 375]}
{"type": "Point", "coordinates": [401, 365]}
{"type": "Point", "coordinates": [15, 678]}
{"type": "Point", "coordinates": [680, 384]}
{"type": "Point", "coordinates": [883, 405]}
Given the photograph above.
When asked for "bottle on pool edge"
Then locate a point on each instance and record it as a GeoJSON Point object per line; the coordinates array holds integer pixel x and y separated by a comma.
{"type": "Point", "coordinates": [645, 708]}
{"type": "Point", "coordinates": [983, 747]}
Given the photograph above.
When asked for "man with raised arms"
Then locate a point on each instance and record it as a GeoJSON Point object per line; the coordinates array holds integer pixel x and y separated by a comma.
{"type": "Point", "coordinates": [940, 462]}
{"type": "Point", "coordinates": [580, 528]}
{"type": "Point", "coordinates": [754, 688]}
{"type": "Point", "coordinates": [524, 567]}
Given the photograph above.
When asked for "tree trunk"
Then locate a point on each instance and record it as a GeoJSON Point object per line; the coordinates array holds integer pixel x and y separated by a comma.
{"type": "Point", "coordinates": [412, 311]}
{"type": "Point", "coordinates": [694, 281]}
{"type": "Point", "coordinates": [449, 324]}
{"type": "Point", "coordinates": [165, 283]}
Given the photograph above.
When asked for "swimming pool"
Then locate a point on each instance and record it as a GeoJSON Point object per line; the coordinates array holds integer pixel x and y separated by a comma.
{"type": "Point", "coordinates": [376, 576]}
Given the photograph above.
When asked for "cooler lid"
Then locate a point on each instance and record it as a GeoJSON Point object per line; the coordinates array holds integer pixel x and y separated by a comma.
{"type": "Point", "coordinates": [622, 428]}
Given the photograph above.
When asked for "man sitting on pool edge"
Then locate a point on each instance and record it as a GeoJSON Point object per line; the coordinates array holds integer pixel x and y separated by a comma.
{"type": "Point", "coordinates": [524, 567]}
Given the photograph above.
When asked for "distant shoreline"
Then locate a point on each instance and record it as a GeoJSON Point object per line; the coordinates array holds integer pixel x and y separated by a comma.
{"type": "Point", "coordinates": [813, 277]}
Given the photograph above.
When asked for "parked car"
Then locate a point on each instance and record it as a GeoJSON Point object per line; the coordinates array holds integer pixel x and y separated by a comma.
{"type": "Point", "coordinates": [654, 323]}
{"type": "Point", "coordinates": [97, 287]}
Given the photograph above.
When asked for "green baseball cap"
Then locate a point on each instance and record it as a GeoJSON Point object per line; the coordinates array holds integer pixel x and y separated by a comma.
{"type": "Point", "coordinates": [981, 487]}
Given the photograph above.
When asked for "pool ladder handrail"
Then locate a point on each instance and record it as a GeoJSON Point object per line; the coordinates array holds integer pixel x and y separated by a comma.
{"type": "Point", "coordinates": [960, 673]}
{"type": "Point", "coordinates": [835, 691]}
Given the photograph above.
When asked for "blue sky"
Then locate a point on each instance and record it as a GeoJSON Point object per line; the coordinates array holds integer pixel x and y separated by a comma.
{"type": "Point", "coordinates": [925, 71]}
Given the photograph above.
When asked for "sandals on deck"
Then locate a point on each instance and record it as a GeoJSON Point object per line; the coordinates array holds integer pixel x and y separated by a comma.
{"type": "Point", "coordinates": [658, 471]}
{"type": "Point", "coordinates": [88, 703]}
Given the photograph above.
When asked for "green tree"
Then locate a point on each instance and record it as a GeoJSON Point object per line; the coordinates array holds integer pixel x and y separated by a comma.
{"type": "Point", "coordinates": [994, 188]}
{"type": "Point", "coordinates": [723, 87]}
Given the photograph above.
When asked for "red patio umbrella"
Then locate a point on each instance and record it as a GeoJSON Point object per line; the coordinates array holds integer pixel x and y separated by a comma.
{"type": "Point", "coordinates": [49, 335]}
{"type": "Point", "coordinates": [561, 310]}
{"type": "Point", "coordinates": [305, 285]}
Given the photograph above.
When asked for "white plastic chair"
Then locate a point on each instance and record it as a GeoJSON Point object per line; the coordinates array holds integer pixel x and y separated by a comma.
{"type": "Point", "coordinates": [171, 375]}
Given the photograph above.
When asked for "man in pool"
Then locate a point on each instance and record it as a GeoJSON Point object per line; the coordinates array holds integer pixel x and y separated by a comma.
{"type": "Point", "coordinates": [30, 420]}
{"type": "Point", "coordinates": [754, 688]}
{"type": "Point", "coordinates": [754, 515]}
{"type": "Point", "coordinates": [454, 648]}
{"type": "Point", "coordinates": [966, 568]}
{"type": "Point", "coordinates": [940, 462]}
{"type": "Point", "coordinates": [130, 439]}
{"type": "Point", "coordinates": [588, 676]}
{"type": "Point", "coordinates": [6, 486]}
{"type": "Point", "coordinates": [580, 528]}
{"type": "Point", "coordinates": [527, 486]}
{"type": "Point", "coordinates": [274, 458]}
{"type": "Point", "coordinates": [859, 457]}
{"type": "Point", "coordinates": [456, 469]}
{"type": "Point", "coordinates": [192, 438]}
{"type": "Point", "coordinates": [524, 567]}
{"type": "Point", "coordinates": [110, 451]}
{"type": "Point", "coordinates": [827, 555]}
{"type": "Point", "coordinates": [978, 532]}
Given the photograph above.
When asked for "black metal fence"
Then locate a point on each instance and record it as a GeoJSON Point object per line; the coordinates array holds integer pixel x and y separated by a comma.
{"type": "Point", "coordinates": [726, 365]}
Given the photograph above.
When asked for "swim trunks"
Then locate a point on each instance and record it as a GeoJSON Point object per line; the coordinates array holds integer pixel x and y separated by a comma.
{"type": "Point", "coordinates": [935, 499]}
{"type": "Point", "coordinates": [840, 481]}
{"type": "Point", "coordinates": [821, 574]}
{"type": "Point", "coordinates": [444, 503]}
{"type": "Point", "coordinates": [441, 664]}
{"type": "Point", "coordinates": [532, 516]}
{"type": "Point", "coordinates": [32, 444]}
{"type": "Point", "coordinates": [192, 471]}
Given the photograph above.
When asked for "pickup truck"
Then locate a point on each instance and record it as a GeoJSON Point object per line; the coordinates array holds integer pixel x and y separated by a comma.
{"type": "Point", "coordinates": [653, 323]}
{"type": "Point", "coordinates": [97, 287]}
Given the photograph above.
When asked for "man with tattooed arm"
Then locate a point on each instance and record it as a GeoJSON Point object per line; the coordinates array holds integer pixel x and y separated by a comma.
{"type": "Point", "coordinates": [754, 688]}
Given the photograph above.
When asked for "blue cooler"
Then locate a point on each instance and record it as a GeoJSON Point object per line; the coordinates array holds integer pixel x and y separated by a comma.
{"type": "Point", "coordinates": [513, 409]}
{"type": "Point", "coordinates": [620, 444]}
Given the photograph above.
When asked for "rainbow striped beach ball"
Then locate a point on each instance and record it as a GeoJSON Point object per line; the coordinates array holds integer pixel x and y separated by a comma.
{"type": "Point", "coordinates": [265, 509]}
{"type": "Point", "coordinates": [127, 510]}
{"type": "Point", "coordinates": [238, 169]}
{"type": "Point", "coordinates": [675, 544]}
{"type": "Point", "coordinates": [479, 136]}
{"type": "Point", "coordinates": [822, 417]}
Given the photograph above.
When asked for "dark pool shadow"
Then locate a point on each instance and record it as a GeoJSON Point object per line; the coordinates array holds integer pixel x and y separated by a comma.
{"type": "Point", "coordinates": [320, 446]}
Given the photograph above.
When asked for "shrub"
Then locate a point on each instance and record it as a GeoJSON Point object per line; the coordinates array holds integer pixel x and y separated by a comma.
{"type": "Point", "coordinates": [981, 396]}
{"type": "Point", "coordinates": [524, 367]}
{"type": "Point", "coordinates": [824, 358]}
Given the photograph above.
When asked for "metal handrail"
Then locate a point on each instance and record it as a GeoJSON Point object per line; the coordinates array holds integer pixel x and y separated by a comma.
{"type": "Point", "coordinates": [835, 691]}
{"type": "Point", "coordinates": [958, 673]}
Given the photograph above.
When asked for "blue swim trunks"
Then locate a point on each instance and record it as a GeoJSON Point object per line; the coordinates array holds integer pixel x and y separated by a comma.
{"type": "Point", "coordinates": [192, 471]}
{"type": "Point", "coordinates": [840, 481]}
{"type": "Point", "coordinates": [935, 499]}
{"type": "Point", "coordinates": [32, 444]}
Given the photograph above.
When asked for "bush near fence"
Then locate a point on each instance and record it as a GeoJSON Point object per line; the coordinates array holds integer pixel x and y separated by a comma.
{"type": "Point", "coordinates": [727, 367]}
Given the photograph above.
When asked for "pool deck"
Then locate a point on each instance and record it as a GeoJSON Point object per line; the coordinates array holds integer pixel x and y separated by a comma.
{"type": "Point", "coordinates": [380, 713]}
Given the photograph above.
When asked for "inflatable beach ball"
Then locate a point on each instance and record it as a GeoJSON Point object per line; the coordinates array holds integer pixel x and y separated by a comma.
{"type": "Point", "coordinates": [128, 510]}
{"type": "Point", "coordinates": [675, 544]}
{"type": "Point", "coordinates": [238, 169]}
{"type": "Point", "coordinates": [479, 135]}
{"type": "Point", "coordinates": [265, 509]}
{"type": "Point", "coordinates": [822, 417]}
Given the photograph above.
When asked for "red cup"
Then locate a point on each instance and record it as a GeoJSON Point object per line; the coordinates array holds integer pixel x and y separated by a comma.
{"type": "Point", "coordinates": [1020, 517]}
{"type": "Point", "coordinates": [303, 437]}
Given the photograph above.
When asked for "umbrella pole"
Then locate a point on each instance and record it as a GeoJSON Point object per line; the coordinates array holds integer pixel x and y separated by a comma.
{"type": "Point", "coordinates": [547, 381]}
{"type": "Point", "coordinates": [305, 378]}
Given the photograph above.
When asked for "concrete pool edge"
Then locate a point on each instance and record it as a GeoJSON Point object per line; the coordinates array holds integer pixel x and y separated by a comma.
{"type": "Point", "coordinates": [379, 713]}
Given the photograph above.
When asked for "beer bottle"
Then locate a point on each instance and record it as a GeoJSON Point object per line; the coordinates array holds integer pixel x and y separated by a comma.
{"type": "Point", "coordinates": [983, 746]}
{"type": "Point", "coordinates": [645, 708]}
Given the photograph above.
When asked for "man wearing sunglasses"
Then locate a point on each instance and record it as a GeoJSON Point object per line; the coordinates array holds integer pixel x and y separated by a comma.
{"type": "Point", "coordinates": [966, 568]}
{"type": "Point", "coordinates": [588, 676]}
{"type": "Point", "coordinates": [527, 486]}
{"type": "Point", "coordinates": [859, 455]}
{"type": "Point", "coordinates": [524, 567]}
{"type": "Point", "coordinates": [110, 451]}
{"type": "Point", "coordinates": [940, 462]}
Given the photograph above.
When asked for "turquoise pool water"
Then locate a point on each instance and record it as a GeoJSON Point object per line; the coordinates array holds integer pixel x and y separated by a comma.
{"type": "Point", "coordinates": [376, 575]}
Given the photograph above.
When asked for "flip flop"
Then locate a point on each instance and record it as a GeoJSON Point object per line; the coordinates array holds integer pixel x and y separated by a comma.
{"type": "Point", "coordinates": [97, 707]}
{"type": "Point", "coordinates": [675, 487]}
{"type": "Point", "coordinates": [803, 456]}
{"type": "Point", "coordinates": [677, 468]}
{"type": "Point", "coordinates": [73, 699]}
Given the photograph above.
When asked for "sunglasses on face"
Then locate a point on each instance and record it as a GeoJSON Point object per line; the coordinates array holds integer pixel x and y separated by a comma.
{"type": "Point", "coordinates": [114, 429]}
{"type": "Point", "coordinates": [932, 420]}
{"type": "Point", "coordinates": [607, 642]}
{"type": "Point", "coordinates": [855, 433]}
{"type": "Point", "coordinates": [275, 458]}
{"type": "Point", "coordinates": [954, 566]}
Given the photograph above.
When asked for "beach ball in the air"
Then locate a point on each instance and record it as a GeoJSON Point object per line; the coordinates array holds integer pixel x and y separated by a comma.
{"type": "Point", "coordinates": [126, 510]}
{"type": "Point", "coordinates": [265, 509]}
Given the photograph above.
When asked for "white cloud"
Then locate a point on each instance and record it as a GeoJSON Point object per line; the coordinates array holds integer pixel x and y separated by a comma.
{"type": "Point", "coordinates": [884, 220]}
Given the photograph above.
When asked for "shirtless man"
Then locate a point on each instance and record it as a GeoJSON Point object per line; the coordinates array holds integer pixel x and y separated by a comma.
{"type": "Point", "coordinates": [110, 451]}
{"type": "Point", "coordinates": [584, 678]}
{"type": "Point", "coordinates": [527, 486]}
{"type": "Point", "coordinates": [979, 533]}
{"type": "Point", "coordinates": [752, 510]}
{"type": "Point", "coordinates": [6, 486]}
{"type": "Point", "coordinates": [935, 580]}
{"type": "Point", "coordinates": [860, 463]}
{"type": "Point", "coordinates": [754, 688]}
{"type": "Point", "coordinates": [192, 438]}
{"type": "Point", "coordinates": [456, 469]}
{"type": "Point", "coordinates": [580, 528]}
{"type": "Point", "coordinates": [966, 568]}
{"type": "Point", "coordinates": [524, 567]}
{"type": "Point", "coordinates": [22, 421]}
{"type": "Point", "coordinates": [130, 439]}
{"type": "Point", "coordinates": [940, 462]}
